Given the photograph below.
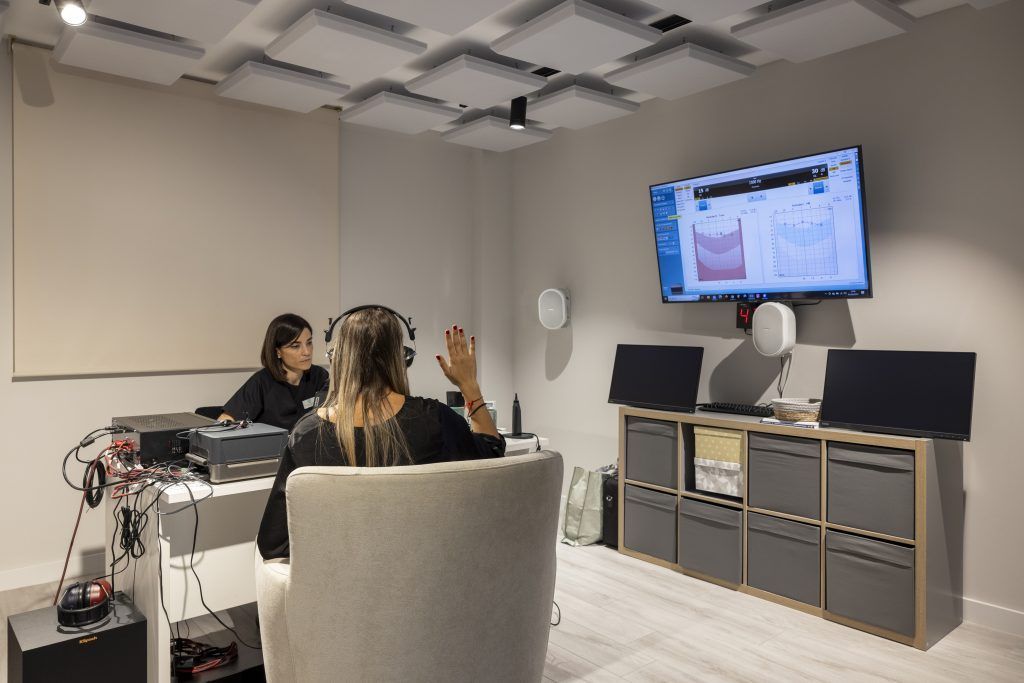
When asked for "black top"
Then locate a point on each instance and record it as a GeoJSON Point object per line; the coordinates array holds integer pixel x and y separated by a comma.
{"type": "Point", "coordinates": [433, 431]}
{"type": "Point", "coordinates": [264, 399]}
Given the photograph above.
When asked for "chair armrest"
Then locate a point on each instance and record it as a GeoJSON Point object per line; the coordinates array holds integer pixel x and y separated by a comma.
{"type": "Point", "coordinates": [273, 578]}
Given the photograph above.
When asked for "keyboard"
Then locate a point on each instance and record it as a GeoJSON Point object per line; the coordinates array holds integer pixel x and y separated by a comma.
{"type": "Point", "coordinates": [737, 409]}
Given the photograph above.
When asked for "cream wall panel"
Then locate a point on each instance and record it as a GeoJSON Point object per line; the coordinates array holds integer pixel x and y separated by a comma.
{"type": "Point", "coordinates": [160, 229]}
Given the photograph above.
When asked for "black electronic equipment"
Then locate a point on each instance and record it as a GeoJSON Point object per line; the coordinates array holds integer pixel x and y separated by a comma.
{"type": "Point", "coordinates": [234, 452]}
{"type": "Point", "coordinates": [610, 511]}
{"type": "Point", "coordinates": [40, 650]}
{"type": "Point", "coordinates": [911, 393]}
{"type": "Point", "coordinates": [156, 436]}
{"type": "Point", "coordinates": [790, 229]}
{"type": "Point", "coordinates": [658, 377]}
{"type": "Point", "coordinates": [737, 409]}
{"type": "Point", "coordinates": [410, 351]}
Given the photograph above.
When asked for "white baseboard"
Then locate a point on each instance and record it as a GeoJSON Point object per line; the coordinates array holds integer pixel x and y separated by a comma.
{"type": "Point", "coordinates": [994, 616]}
{"type": "Point", "coordinates": [79, 566]}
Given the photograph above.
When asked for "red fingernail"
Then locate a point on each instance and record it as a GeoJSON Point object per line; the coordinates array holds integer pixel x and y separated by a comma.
{"type": "Point", "coordinates": [472, 338]}
{"type": "Point", "coordinates": [438, 357]}
{"type": "Point", "coordinates": [447, 332]}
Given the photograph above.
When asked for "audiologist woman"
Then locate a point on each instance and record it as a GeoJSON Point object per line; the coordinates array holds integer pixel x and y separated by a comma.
{"type": "Point", "coordinates": [285, 389]}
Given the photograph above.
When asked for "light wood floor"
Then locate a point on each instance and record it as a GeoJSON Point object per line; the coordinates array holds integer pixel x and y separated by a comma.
{"type": "Point", "coordinates": [626, 620]}
{"type": "Point", "coordinates": [623, 619]}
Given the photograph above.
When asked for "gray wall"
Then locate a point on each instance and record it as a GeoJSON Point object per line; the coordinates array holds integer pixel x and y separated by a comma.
{"type": "Point", "coordinates": [939, 113]}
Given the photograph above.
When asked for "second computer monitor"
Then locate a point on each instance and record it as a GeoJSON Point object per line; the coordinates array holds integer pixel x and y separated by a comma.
{"type": "Point", "coordinates": [658, 377]}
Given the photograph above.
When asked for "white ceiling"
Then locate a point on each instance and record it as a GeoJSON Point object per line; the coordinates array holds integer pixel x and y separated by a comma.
{"type": "Point", "coordinates": [261, 22]}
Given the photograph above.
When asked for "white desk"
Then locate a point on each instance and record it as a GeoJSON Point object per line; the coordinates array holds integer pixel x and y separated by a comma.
{"type": "Point", "coordinates": [224, 555]}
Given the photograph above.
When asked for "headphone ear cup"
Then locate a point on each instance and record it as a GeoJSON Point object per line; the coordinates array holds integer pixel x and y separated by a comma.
{"type": "Point", "coordinates": [410, 355]}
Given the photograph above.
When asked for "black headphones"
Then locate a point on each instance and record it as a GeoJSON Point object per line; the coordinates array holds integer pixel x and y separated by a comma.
{"type": "Point", "coordinates": [84, 603]}
{"type": "Point", "coordinates": [410, 352]}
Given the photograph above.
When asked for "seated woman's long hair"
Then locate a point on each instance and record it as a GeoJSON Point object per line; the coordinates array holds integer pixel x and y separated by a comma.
{"type": "Point", "coordinates": [368, 362]}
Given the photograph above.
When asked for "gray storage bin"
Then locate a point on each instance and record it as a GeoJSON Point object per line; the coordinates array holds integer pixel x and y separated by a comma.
{"type": "Point", "coordinates": [870, 581]}
{"type": "Point", "coordinates": [784, 474]}
{"type": "Point", "coordinates": [783, 557]}
{"type": "Point", "coordinates": [649, 522]}
{"type": "Point", "coordinates": [652, 451]}
{"type": "Point", "coordinates": [871, 488]}
{"type": "Point", "coordinates": [711, 540]}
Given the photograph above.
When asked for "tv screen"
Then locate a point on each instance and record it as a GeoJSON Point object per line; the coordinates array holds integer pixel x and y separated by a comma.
{"type": "Point", "coordinates": [792, 229]}
{"type": "Point", "coordinates": [912, 393]}
{"type": "Point", "coordinates": [659, 377]}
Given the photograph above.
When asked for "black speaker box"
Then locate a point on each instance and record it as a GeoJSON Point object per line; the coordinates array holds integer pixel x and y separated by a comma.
{"type": "Point", "coordinates": [610, 511]}
{"type": "Point", "coordinates": [39, 650]}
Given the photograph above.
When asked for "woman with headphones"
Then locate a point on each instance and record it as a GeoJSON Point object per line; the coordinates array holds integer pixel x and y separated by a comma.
{"type": "Point", "coordinates": [371, 420]}
{"type": "Point", "coordinates": [287, 385]}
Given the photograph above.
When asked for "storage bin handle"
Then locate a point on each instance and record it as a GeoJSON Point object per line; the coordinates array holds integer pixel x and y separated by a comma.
{"type": "Point", "coordinates": [775, 527]}
{"type": "Point", "coordinates": [876, 551]}
{"type": "Point", "coordinates": [643, 500]}
{"type": "Point", "coordinates": [901, 461]}
{"type": "Point", "coordinates": [710, 513]}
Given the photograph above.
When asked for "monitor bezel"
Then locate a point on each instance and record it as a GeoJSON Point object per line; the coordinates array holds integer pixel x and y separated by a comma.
{"type": "Point", "coordinates": [777, 296]}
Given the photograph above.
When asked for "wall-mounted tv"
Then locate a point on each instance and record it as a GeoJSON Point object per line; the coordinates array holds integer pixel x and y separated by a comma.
{"type": "Point", "coordinates": [792, 229]}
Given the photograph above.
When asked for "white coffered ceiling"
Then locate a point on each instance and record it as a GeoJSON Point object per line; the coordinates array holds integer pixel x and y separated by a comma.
{"type": "Point", "coordinates": [461, 59]}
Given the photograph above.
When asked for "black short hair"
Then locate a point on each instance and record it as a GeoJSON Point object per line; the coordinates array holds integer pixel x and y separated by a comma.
{"type": "Point", "coordinates": [284, 329]}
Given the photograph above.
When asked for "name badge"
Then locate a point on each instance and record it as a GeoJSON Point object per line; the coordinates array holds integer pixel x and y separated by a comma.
{"type": "Point", "coordinates": [310, 402]}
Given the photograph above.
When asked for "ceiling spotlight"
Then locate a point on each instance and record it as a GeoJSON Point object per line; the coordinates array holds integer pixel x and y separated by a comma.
{"type": "Point", "coordinates": [517, 119]}
{"type": "Point", "coordinates": [71, 12]}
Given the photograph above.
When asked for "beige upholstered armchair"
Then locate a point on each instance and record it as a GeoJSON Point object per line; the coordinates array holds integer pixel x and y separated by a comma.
{"type": "Point", "coordinates": [441, 572]}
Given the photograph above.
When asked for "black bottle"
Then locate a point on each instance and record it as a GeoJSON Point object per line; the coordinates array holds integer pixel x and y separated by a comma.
{"type": "Point", "coordinates": [517, 416]}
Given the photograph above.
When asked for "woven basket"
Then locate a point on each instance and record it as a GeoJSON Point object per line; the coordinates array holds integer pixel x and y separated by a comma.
{"type": "Point", "coordinates": [797, 409]}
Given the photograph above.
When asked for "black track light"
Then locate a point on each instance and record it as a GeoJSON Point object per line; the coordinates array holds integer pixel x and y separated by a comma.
{"type": "Point", "coordinates": [517, 119]}
{"type": "Point", "coordinates": [71, 12]}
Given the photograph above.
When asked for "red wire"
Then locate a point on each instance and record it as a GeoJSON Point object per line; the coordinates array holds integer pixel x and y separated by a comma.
{"type": "Point", "coordinates": [67, 558]}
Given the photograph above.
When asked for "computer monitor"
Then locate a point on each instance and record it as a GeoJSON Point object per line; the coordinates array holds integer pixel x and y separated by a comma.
{"type": "Point", "coordinates": [792, 229]}
{"type": "Point", "coordinates": [658, 377]}
{"type": "Point", "coordinates": [911, 393]}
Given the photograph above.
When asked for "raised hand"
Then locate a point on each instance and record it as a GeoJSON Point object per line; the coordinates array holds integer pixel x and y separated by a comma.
{"type": "Point", "coordinates": [460, 366]}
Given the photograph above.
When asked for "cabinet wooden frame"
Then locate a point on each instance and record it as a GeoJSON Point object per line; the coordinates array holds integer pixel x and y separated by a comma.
{"type": "Point", "coordinates": [933, 587]}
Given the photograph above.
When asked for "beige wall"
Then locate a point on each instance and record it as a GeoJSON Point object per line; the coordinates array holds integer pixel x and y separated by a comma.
{"type": "Point", "coordinates": [407, 206]}
{"type": "Point", "coordinates": [938, 112]}
{"type": "Point", "coordinates": [425, 231]}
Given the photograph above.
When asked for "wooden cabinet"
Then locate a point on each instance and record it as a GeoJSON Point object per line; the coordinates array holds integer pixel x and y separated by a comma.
{"type": "Point", "coordinates": [881, 516]}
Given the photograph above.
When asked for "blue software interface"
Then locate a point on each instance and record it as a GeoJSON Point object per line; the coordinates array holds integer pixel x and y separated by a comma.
{"type": "Point", "coordinates": [790, 228]}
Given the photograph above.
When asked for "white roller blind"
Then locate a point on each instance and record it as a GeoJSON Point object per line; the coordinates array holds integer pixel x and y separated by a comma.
{"type": "Point", "coordinates": [160, 229]}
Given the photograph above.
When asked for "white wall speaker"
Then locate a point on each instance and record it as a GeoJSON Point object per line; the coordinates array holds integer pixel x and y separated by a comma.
{"type": "Point", "coordinates": [553, 308]}
{"type": "Point", "coordinates": [774, 329]}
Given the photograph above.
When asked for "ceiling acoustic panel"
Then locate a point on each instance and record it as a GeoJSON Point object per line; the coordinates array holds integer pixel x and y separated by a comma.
{"type": "Point", "coordinates": [475, 82]}
{"type": "Point", "coordinates": [576, 37]}
{"type": "Point", "coordinates": [447, 16]}
{"type": "Point", "coordinates": [680, 71]}
{"type": "Point", "coordinates": [706, 11]}
{"type": "Point", "coordinates": [578, 107]}
{"type": "Point", "coordinates": [401, 113]}
{"type": "Point", "coordinates": [493, 134]}
{"type": "Point", "coordinates": [206, 21]}
{"type": "Point", "coordinates": [351, 50]}
{"type": "Point", "coordinates": [125, 53]}
{"type": "Point", "coordinates": [276, 87]}
{"type": "Point", "coordinates": [815, 28]}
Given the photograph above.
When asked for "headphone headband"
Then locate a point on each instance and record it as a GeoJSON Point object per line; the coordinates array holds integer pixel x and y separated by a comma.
{"type": "Point", "coordinates": [410, 352]}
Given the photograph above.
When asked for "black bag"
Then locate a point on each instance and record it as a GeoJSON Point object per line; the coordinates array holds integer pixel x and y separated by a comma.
{"type": "Point", "coordinates": [610, 511]}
